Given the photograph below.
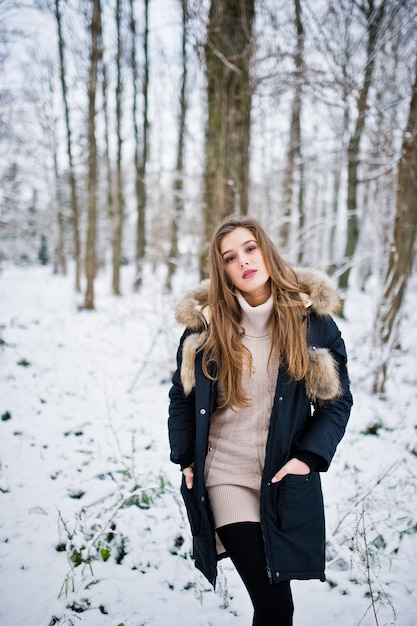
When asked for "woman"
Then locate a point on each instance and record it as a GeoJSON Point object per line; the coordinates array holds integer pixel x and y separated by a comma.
{"type": "Point", "coordinates": [258, 404]}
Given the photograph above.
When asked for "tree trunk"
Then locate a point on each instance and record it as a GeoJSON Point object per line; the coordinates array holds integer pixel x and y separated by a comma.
{"type": "Point", "coordinates": [374, 17]}
{"type": "Point", "coordinates": [228, 53]}
{"type": "Point", "coordinates": [294, 155]}
{"type": "Point", "coordinates": [72, 176]}
{"type": "Point", "coordinates": [402, 249]}
{"type": "Point", "coordinates": [59, 258]}
{"type": "Point", "coordinates": [107, 159]}
{"type": "Point", "coordinates": [90, 258]}
{"type": "Point", "coordinates": [337, 174]}
{"type": "Point", "coordinates": [179, 174]}
{"type": "Point", "coordinates": [119, 208]}
{"type": "Point", "coordinates": [141, 162]}
{"type": "Point", "coordinates": [60, 261]}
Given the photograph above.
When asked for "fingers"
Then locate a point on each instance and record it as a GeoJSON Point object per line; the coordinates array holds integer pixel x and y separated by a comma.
{"type": "Point", "coordinates": [189, 477]}
{"type": "Point", "coordinates": [293, 466]}
{"type": "Point", "coordinates": [279, 476]}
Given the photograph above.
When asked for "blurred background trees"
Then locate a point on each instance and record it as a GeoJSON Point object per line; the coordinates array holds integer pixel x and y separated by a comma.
{"type": "Point", "coordinates": [126, 142]}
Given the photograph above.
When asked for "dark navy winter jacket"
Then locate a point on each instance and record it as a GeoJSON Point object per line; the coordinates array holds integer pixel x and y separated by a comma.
{"type": "Point", "coordinates": [292, 512]}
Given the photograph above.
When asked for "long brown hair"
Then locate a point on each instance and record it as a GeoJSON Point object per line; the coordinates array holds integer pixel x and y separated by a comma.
{"type": "Point", "coordinates": [224, 342]}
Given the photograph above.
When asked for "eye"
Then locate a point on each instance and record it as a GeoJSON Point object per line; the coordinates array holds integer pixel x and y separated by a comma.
{"type": "Point", "coordinates": [229, 259]}
{"type": "Point", "coordinates": [251, 248]}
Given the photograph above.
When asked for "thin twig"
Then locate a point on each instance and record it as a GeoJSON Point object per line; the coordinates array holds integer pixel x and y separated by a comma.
{"type": "Point", "coordinates": [378, 482]}
{"type": "Point", "coordinates": [145, 361]}
{"type": "Point", "coordinates": [368, 568]}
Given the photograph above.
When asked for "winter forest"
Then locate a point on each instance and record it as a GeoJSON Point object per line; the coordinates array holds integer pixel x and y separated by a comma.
{"type": "Point", "coordinates": [128, 129]}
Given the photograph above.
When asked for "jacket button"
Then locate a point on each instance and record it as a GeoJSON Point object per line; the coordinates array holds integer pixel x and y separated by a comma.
{"type": "Point", "coordinates": [202, 411]}
{"type": "Point", "coordinates": [202, 498]}
{"type": "Point", "coordinates": [280, 398]}
{"type": "Point", "coordinates": [277, 574]}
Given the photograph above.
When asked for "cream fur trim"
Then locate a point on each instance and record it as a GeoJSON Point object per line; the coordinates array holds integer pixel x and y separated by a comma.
{"type": "Point", "coordinates": [190, 347]}
{"type": "Point", "coordinates": [323, 292]}
{"type": "Point", "coordinates": [191, 309]}
{"type": "Point", "coordinates": [322, 378]}
{"type": "Point", "coordinates": [321, 381]}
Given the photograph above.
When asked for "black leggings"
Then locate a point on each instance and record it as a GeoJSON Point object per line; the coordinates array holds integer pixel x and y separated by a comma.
{"type": "Point", "coordinates": [272, 603]}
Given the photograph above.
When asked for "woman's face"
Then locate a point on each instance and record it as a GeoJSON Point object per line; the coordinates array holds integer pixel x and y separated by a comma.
{"type": "Point", "coordinates": [244, 264]}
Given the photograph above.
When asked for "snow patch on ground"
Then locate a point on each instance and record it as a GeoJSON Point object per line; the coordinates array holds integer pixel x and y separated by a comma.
{"type": "Point", "coordinates": [92, 528]}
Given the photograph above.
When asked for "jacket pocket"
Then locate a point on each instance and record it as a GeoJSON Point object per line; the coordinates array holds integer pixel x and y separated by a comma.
{"type": "Point", "coordinates": [299, 500]}
{"type": "Point", "coordinates": [191, 506]}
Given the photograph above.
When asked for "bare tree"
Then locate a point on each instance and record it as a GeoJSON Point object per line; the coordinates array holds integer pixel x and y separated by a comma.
{"type": "Point", "coordinates": [294, 154]}
{"type": "Point", "coordinates": [90, 257]}
{"type": "Point", "coordinates": [107, 159]}
{"type": "Point", "coordinates": [141, 159]}
{"type": "Point", "coordinates": [374, 16]}
{"type": "Point", "coordinates": [40, 94]}
{"type": "Point", "coordinates": [179, 170]}
{"type": "Point", "coordinates": [402, 248]}
{"type": "Point", "coordinates": [119, 199]}
{"type": "Point", "coordinates": [59, 257]}
{"type": "Point", "coordinates": [72, 175]}
{"type": "Point", "coordinates": [228, 53]}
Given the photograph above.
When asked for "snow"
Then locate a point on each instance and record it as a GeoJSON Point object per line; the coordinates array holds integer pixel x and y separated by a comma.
{"type": "Point", "coordinates": [92, 527]}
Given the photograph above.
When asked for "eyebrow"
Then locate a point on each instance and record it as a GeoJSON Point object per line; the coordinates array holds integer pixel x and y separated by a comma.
{"type": "Point", "coordinates": [243, 244]}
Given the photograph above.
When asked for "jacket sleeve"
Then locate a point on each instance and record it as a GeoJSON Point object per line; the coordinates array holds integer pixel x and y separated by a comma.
{"type": "Point", "coordinates": [181, 420]}
{"type": "Point", "coordinates": [329, 419]}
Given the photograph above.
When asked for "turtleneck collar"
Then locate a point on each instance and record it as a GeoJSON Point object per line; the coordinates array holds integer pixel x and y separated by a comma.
{"type": "Point", "coordinates": [255, 319]}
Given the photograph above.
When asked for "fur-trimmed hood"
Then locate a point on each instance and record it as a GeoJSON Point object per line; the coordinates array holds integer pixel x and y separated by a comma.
{"type": "Point", "coordinates": [322, 380]}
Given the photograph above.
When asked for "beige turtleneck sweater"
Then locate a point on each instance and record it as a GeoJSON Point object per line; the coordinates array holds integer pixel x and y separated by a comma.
{"type": "Point", "coordinates": [237, 438]}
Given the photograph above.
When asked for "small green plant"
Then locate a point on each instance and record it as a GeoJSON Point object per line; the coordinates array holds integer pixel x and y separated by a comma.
{"type": "Point", "coordinates": [410, 529]}
{"type": "Point", "coordinates": [61, 547]}
{"type": "Point", "coordinates": [95, 534]}
{"type": "Point", "coordinates": [67, 587]}
{"type": "Point", "coordinates": [104, 550]}
{"type": "Point", "coordinates": [142, 500]}
{"type": "Point", "coordinates": [6, 416]}
{"type": "Point", "coordinates": [372, 429]}
{"type": "Point", "coordinates": [77, 557]}
{"type": "Point", "coordinates": [24, 362]}
{"type": "Point", "coordinates": [63, 621]}
{"type": "Point", "coordinates": [79, 607]}
{"type": "Point", "coordinates": [121, 550]}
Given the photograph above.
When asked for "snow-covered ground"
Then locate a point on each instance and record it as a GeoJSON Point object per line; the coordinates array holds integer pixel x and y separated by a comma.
{"type": "Point", "coordinates": [92, 529]}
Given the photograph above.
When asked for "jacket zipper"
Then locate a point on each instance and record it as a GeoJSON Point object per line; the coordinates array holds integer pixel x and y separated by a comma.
{"type": "Point", "coordinates": [268, 571]}
{"type": "Point", "coordinates": [267, 567]}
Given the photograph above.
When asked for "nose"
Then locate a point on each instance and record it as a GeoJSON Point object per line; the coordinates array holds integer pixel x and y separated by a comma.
{"type": "Point", "coordinates": [242, 262]}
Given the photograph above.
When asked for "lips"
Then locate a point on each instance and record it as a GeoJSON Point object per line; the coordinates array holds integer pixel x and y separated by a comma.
{"type": "Point", "coordinates": [248, 274]}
